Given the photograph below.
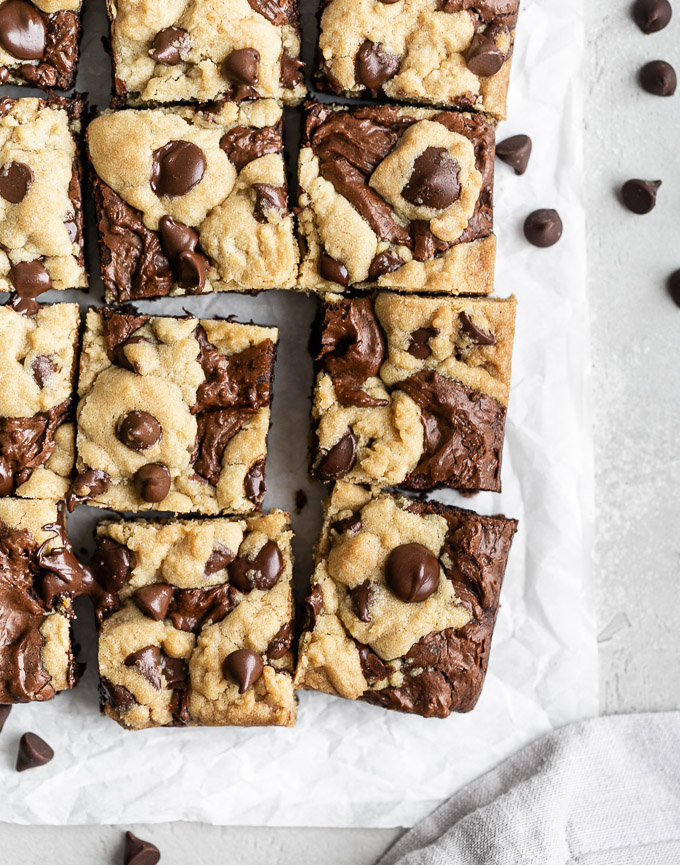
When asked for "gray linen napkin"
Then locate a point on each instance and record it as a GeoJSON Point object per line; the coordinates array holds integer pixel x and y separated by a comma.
{"type": "Point", "coordinates": [601, 792]}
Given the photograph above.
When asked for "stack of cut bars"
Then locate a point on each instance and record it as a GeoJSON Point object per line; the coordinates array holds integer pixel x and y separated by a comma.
{"type": "Point", "coordinates": [395, 229]}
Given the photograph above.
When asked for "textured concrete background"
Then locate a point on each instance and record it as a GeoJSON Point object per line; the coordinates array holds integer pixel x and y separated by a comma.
{"type": "Point", "coordinates": [636, 390]}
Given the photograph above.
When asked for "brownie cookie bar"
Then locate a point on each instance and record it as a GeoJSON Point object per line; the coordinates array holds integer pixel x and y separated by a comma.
{"type": "Point", "coordinates": [412, 391]}
{"type": "Point", "coordinates": [37, 433]}
{"type": "Point", "coordinates": [39, 42]}
{"type": "Point", "coordinates": [403, 602]}
{"type": "Point", "coordinates": [396, 197]}
{"type": "Point", "coordinates": [173, 413]}
{"type": "Point", "coordinates": [202, 629]}
{"type": "Point", "coordinates": [206, 49]}
{"type": "Point", "coordinates": [451, 53]}
{"type": "Point", "coordinates": [41, 218]}
{"type": "Point", "coordinates": [191, 200]}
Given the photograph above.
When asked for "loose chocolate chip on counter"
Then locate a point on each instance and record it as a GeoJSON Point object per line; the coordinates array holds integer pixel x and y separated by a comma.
{"type": "Point", "coordinates": [22, 30]}
{"type": "Point", "coordinates": [254, 482]}
{"type": "Point", "coordinates": [339, 460]}
{"type": "Point", "coordinates": [515, 152]}
{"type": "Point", "coordinates": [152, 482]}
{"type": "Point", "coordinates": [139, 430]}
{"type": "Point", "coordinates": [112, 564]}
{"type": "Point", "coordinates": [474, 333]}
{"type": "Point", "coordinates": [33, 752]}
{"type": "Point", "coordinates": [15, 180]}
{"type": "Point", "coordinates": [154, 600]}
{"type": "Point", "coordinates": [148, 662]}
{"type": "Point", "coordinates": [167, 45]}
{"type": "Point", "coordinates": [42, 369]}
{"type": "Point", "coordinates": [138, 852]}
{"type": "Point", "coordinates": [385, 262]}
{"type": "Point", "coordinates": [652, 15]}
{"type": "Point", "coordinates": [332, 270]}
{"type": "Point", "coordinates": [176, 168]}
{"type": "Point", "coordinates": [262, 572]}
{"type": "Point", "coordinates": [639, 196]}
{"type": "Point", "coordinates": [243, 667]}
{"type": "Point", "coordinates": [674, 286]}
{"type": "Point", "coordinates": [218, 560]}
{"type": "Point", "coordinates": [659, 78]}
{"type": "Point", "coordinates": [484, 57]}
{"type": "Point", "coordinates": [300, 501]}
{"type": "Point", "coordinates": [412, 572]}
{"type": "Point", "coordinates": [434, 180]}
{"type": "Point", "coordinates": [361, 599]}
{"type": "Point", "coordinates": [543, 228]}
{"type": "Point", "coordinates": [176, 237]}
{"type": "Point", "coordinates": [29, 280]}
{"type": "Point", "coordinates": [242, 66]}
{"type": "Point", "coordinates": [374, 65]}
{"type": "Point", "coordinates": [4, 714]}
{"type": "Point", "coordinates": [418, 346]}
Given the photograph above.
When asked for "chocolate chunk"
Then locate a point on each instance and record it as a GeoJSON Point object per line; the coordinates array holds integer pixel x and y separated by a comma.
{"type": "Point", "coordinates": [373, 667]}
{"type": "Point", "coordinates": [339, 460]}
{"type": "Point", "coordinates": [154, 600]}
{"type": "Point", "coordinates": [349, 524]}
{"type": "Point", "coordinates": [218, 560]}
{"type": "Point", "coordinates": [191, 609]}
{"type": "Point", "coordinates": [139, 430]}
{"type": "Point", "coordinates": [242, 66]}
{"type": "Point", "coordinates": [42, 369]}
{"type": "Point", "coordinates": [434, 180]}
{"type": "Point", "coordinates": [117, 696]}
{"type": "Point", "coordinates": [425, 244]}
{"type": "Point", "coordinates": [389, 2]}
{"type": "Point", "coordinates": [291, 74]}
{"type": "Point", "coordinates": [138, 852]}
{"type": "Point", "coordinates": [243, 667]}
{"type": "Point", "coordinates": [33, 752]}
{"type": "Point", "coordinates": [175, 670]}
{"type": "Point", "coordinates": [262, 572]}
{"type": "Point", "coordinates": [280, 645]}
{"type": "Point", "coordinates": [412, 573]}
{"type": "Point", "coordinates": [374, 65]}
{"type": "Point", "coordinates": [112, 563]}
{"type": "Point", "coordinates": [152, 482]}
{"type": "Point", "coordinates": [22, 30]}
{"type": "Point", "coordinates": [474, 333]}
{"type": "Point", "coordinates": [29, 280]}
{"type": "Point", "coordinates": [15, 180]}
{"type": "Point", "coordinates": [267, 198]}
{"type": "Point", "coordinates": [332, 270]}
{"type": "Point", "coordinates": [652, 15]}
{"type": "Point", "coordinates": [176, 237]}
{"type": "Point", "coordinates": [515, 152]}
{"type": "Point", "coordinates": [674, 286]}
{"type": "Point", "coordinates": [384, 262]}
{"type": "Point", "coordinates": [4, 714]}
{"type": "Point", "coordinates": [254, 482]}
{"type": "Point", "coordinates": [242, 144]}
{"type": "Point", "coordinates": [313, 607]}
{"type": "Point", "coordinates": [192, 269]}
{"type": "Point", "coordinates": [148, 662]}
{"type": "Point", "coordinates": [543, 228]}
{"type": "Point", "coordinates": [659, 78]}
{"type": "Point", "coordinates": [419, 343]}
{"type": "Point", "coordinates": [484, 57]}
{"type": "Point", "coordinates": [119, 330]}
{"type": "Point", "coordinates": [639, 196]}
{"type": "Point", "coordinates": [87, 485]}
{"type": "Point", "coordinates": [361, 599]}
{"type": "Point", "coordinates": [176, 168]}
{"type": "Point", "coordinates": [168, 44]}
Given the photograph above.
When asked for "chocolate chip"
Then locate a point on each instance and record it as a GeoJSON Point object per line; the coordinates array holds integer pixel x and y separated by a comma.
{"type": "Point", "coordinates": [291, 74]}
{"type": "Point", "coordinates": [374, 66]}
{"type": "Point", "coordinates": [262, 572]}
{"type": "Point", "coordinates": [152, 482]}
{"type": "Point", "coordinates": [167, 45]}
{"type": "Point", "coordinates": [659, 78]}
{"type": "Point", "coordinates": [175, 671]}
{"type": "Point", "coordinates": [515, 152]}
{"type": "Point", "coordinates": [176, 168]}
{"type": "Point", "coordinates": [674, 286]}
{"type": "Point", "coordinates": [543, 228]}
{"type": "Point", "coordinates": [22, 30]}
{"type": "Point", "coordinates": [29, 279]}
{"type": "Point", "coordinates": [412, 572]}
{"type": "Point", "coordinates": [33, 752]}
{"type": "Point", "coordinates": [139, 430]}
{"type": "Point", "coordinates": [332, 270]}
{"type": "Point", "coordinates": [280, 645]}
{"type": "Point", "coordinates": [484, 57]}
{"type": "Point", "coordinates": [300, 501]}
{"type": "Point", "coordinates": [87, 485]}
{"type": "Point", "coordinates": [42, 369]}
{"type": "Point", "coordinates": [639, 196]}
{"type": "Point", "coordinates": [192, 269]}
{"type": "Point", "coordinates": [254, 482]}
{"type": "Point", "coordinates": [269, 198]}
{"type": "Point", "coordinates": [4, 714]}
{"type": "Point", "coordinates": [117, 696]}
{"type": "Point", "coordinates": [112, 563]}
{"type": "Point", "coordinates": [349, 524]}
{"type": "Point", "coordinates": [218, 560]}
{"type": "Point", "coordinates": [339, 460]}
{"type": "Point", "coordinates": [4, 74]}
{"type": "Point", "coordinates": [474, 333]}
{"type": "Point", "coordinates": [385, 262]}
{"type": "Point", "coordinates": [361, 598]}
{"type": "Point", "coordinates": [154, 600]}
{"type": "Point", "coordinates": [243, 667]}
{"type": "Point", "coordinates": [242, 66]}
{"type": "Point", "coordinates": [176, 238]}
{"type": "Point", "coordinates": [148, 662]}
{"type": "Point", "coordinates": [418, 346]}
{"type": "Point", "coordinates": [138, 852]}
{"type": "Point", "coordinates": [434, 180]}
{"type": "Point", "coordinates": [652, 15]}
{"type": "Point", "coordinates": [15, 180]}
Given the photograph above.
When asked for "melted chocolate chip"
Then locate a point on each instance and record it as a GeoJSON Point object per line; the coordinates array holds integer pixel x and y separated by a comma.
{"type": "Point", "coordinates": [254, 482]}
{"type": "Point", "coordinates": [374, 65]}
{"type": "Point", "coordinates": [339, 460]}
{"type": "Point", "coordinates": [112, 563]}
{"type": "Point", "coordinates": [192, 609]}
{"type": "Point", "coordinates": [176, 237]}
{"type": "Point", "coordinates": [6, 478]}
{"type": "Point", "coordinates": [42, 370]}
{"type": "Point", "coordinates": [269, 198]}
{"type": "Point", "coordinates": [148, 662]}
{"type": "Point", "coordinates": [280, 645]}
{"type": "Point", "coordinates": [543, 228]}
{"type": "Point", "coordinates": [152, 482]}
{"type": "Point", "coordinates": [484, 57]}
{"type": "Point", "coordinates": [242, 66]}
{"type": "Point", "coordinates": [138, 852]}
{"type": "Point", "coordinates": [218, 560]}
{"type": "Point", "coordinates": [652, 15]}
{"type": "Point", "coordinates": [332, 270]}
{"type": "Point", "coordinates": [243, 144]}
{"type": "Point", "coordinates": [385, 262]}
{"type": "Point", "coordinates": [139, 430]}
{"type": "Point", "coordinates": [412, 573]}
{"type": "Point", "coordinates": [373, 667]}
{"type": "Point", "coordinates": [22, 30]}
{"type": "Point", "coordinates": [168, 44]}
{"type": "Point", "coordinates": [154, 600]}
{"type": "Point", "coordinates": [515, 152]}
{"type": "Point", "coordinates": [659, 78]}
{"type": "Point", "coordinates": [175, 671]}
{"type": "Point", "coordinates": [192, 269]}
{"type": "Point", "coordinates": [639, 196]}
{"type": "Point", "coordinates": [474, 333]}
{"type": "Point", "coordinates": [434, 180]}
{"type": "Point", "coordinates": [29, 279]}
{"type": "Point", "coordinates": [243, 667]}
{"type": "Point", "coordinates": [87, 486]}
{"type": "Point", "coordinates": [4, 714]}
{"type": "Point", "coordinates": [418, 346]}
{"type": "Point", "coordinates": [176, 168]}
{"type": "Point", "coordinates": [262, 572]}
{"type": "Point", "coordinates": [15, 180]}
{"type": "Point", "coordinates": [361, 599]}
{"type": "Point", "coordinates": [117, 696]}
{"type": "Point", "coordinates": [313, 607]}
{"type": "Point", "coordinates": [349, 524]}
{"type": "Point", "coordinates": [291, 70]}
{"type": "Point", "coordinates": [33, 752]}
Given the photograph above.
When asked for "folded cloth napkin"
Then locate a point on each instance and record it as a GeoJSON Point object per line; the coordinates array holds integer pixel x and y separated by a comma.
{"type": "Point", "coordinates": [601, 792]}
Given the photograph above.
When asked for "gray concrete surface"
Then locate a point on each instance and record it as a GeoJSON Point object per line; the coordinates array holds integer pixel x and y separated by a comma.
{"type": "Point", "coordinates": [636, 357]}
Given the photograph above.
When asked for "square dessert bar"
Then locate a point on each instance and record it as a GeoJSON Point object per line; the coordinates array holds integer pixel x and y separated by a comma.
{"type": "Point", "coordinates": [173, 413]}
{"type": "Point", "coordinates": [403, 602]}
{"type": "Point", "coordinates": [37, 433]}
{"type": "Point", "coordinates": [453, 53]}
{"type": "Point", "coordinates": [412, 391]}
{"type": "Point", "coordinates": [35, 644]}
{"type": "Point", "coordinates": [206, 49]}
{"type": "Point", "coordinates": [192, 200]}
{"type": "Point", "coordinates": [41, 216]}
{"type": "Point", "coordinates": [39, 42]}
{"type": "Point", "coordinates": [202, 622]}
{"type": "Point", "coordinates": [398, 198]}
